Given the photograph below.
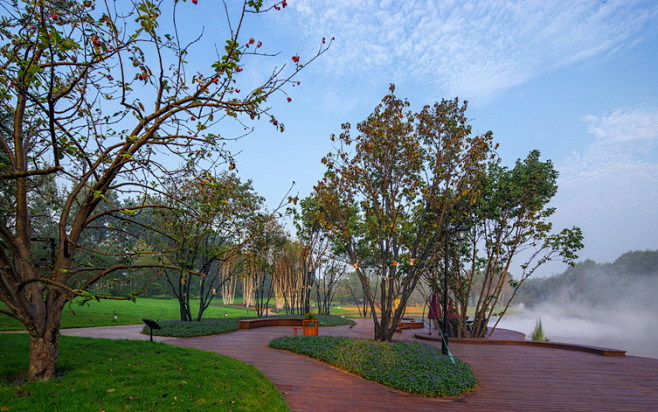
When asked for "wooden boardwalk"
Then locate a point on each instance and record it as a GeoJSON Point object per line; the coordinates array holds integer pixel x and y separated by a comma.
{"type": "Point", "coordinates": [512, 378]}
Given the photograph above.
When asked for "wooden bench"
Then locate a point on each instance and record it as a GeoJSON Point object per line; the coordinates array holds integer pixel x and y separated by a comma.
{"type": "Point", "coordinates": [410, 324]}
{"type": "Point", "coordinates": [262, 322]}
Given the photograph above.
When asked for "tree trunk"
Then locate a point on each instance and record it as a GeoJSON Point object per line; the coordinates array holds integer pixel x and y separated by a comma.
{"type": "Point", "coordinates": [44, 352]}
{"type": "Point", "coordinates": [383, 333]}
{"type": "Point", "coordinates": [184, 309]}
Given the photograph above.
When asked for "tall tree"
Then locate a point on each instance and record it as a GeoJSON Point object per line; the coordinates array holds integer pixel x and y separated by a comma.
{"type": "Point", "coordinates": [266, 239]}
{"type": "Point", "coordinates": [205, 224]}
{"type": "Point", "coordinates": [388, 201]}
{"type": "Point", "coordinates": [314, 242]}
{"type": "Point", "coordinates": [330, 272]}
{"type": "Point", "coordinates": [510, 229]}
{"type": "Point", "coordinates": [98, 93]}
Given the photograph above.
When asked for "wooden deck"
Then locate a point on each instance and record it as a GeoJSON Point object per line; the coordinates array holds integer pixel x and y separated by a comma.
{"type": "Point", "coordinates": [512, 378]}
{"type": "Point", "coordinates": [496, 340]}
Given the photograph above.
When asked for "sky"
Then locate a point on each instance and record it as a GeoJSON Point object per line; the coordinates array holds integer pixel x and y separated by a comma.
{"type": "Point", "coordinates": [577, 80]}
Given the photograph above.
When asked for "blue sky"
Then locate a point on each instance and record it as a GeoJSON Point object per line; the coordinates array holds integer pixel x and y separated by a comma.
{"type": "Point", "coordinates": [577, 80]}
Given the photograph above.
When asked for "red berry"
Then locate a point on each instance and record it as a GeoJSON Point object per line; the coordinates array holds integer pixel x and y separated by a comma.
{"type": "Point", "coordinates": [237, 90]}
{"type": "Point", "coordinates": [194, 1]}
{"type": "Point", "coordinates": [260, 43]}
{"type": "Point", "coordinates": [289, 99]}
{"type": "Point", "coordinates": [295, 59]}
{"type": "Point", "coordinates": [215, 80]}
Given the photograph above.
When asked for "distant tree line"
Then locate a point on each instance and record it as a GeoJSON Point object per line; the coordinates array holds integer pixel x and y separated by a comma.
{"type": "Point", "coordinates": [631, 279]}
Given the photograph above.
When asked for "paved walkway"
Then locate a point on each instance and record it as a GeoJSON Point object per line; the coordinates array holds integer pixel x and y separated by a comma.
{"type": "Point", "coordinates": [512, 378]}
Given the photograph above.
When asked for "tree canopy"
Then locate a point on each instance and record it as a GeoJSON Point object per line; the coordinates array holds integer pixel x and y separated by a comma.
{"type": "Point", "coordinates": [388, 202]}
{"type": "Point", "coordinates": [101, 95]}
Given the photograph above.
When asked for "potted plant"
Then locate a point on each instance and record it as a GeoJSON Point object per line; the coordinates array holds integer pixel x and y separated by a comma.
{"type": "Point", "coordinates": [310, 325]}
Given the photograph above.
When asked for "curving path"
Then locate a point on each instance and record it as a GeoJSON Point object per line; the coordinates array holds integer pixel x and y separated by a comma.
{"type": "Point", "coordinates": [512, 378]}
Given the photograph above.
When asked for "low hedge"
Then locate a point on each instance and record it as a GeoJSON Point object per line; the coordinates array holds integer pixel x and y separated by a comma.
{"type": "Point", "coordinates": [180, 329]}
{"type": "Point", "coordinates": [408, 366]}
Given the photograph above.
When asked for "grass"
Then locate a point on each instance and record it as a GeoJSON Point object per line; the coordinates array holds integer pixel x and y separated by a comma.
{"type": "Point", "coordinates": [121, 375]}
{"type": "Point", "coordinates": [351, 311]}
{"type": "Point", "coordinates": [408, 366]}
{"type": "Point", "coordinates": [538, 333]}
{"type": "Point", "coordinates": [128, 313]}
{"type": "Point", "coordinates": [178, 329]}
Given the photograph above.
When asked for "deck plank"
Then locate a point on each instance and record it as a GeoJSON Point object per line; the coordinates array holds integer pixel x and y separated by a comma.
{"type": "Point", "coordinates": [512, 378]}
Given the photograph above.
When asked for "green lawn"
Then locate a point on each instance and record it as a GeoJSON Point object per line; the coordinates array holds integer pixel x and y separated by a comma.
{"type": "Point", "coordinates": [122, 375]}
{"type": "Point", "coordinates": [101, 313]}
{"type": "Point", "coordinates": [412, 311]}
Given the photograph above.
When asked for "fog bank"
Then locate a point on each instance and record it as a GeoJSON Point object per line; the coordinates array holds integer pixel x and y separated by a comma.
{"type": "Point", "coordinates": [632, 330]}
{"type": "Point", "coordinates": [612, 305]}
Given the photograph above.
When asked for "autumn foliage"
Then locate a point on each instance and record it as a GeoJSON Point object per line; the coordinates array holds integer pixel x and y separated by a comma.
{"type": "Point", "coordinates": [388, 200]}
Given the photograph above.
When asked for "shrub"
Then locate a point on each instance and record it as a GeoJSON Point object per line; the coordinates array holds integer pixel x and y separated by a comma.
{"type": "Point", "coordinates": [538, 333]}
{"type": "Point", "coordinates": [180, 329]}
{"type": "Point", "coordinates": [408, 366]}
{"type": "Point", "coordinates": [333, 320]}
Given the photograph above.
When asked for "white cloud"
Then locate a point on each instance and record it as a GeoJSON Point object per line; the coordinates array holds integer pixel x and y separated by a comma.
{"type": "Point", "coordinates": [624, 126]}
{"type": "Point", "coordinates": [610, 189]}
{"type": "Point", "coordinates": [470, 48]}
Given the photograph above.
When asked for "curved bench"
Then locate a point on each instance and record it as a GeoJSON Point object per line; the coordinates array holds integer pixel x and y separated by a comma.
{"type": "Point", "coordinates": [262, 322]}
{"type": "Point", "coordinates": [556, 345]}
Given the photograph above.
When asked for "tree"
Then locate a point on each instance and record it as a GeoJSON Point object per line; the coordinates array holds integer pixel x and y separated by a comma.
{"type": "Point", "coordinates": [205, 225]}
{"type": "Point", "coordinates": [330, 273]}
{"type": "Point", "coordinates": [289, 277]}
{"type": "Point", "coordinates": [352, 288]}
{"type": "Point", "coordinates": [509, 222]}
{"type": "Point", "coordinates": [314, 242]}
{"type": "Point", "coordinates": [388, 202]}
{"type": "Point", "coordinates": [100, 95]}
{"type": "Point", "coordinates": [625, 285]}
{"type": "Point", "coordinates": [259, 259]}
{"type": "Point", "coordinates": [229, 280]}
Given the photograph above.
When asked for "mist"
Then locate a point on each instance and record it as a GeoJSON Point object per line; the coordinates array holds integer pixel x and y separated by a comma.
{"type": "Point", "coordinates": [634, 331]}
{"type": "Point", "coordinates": [609, 305]}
